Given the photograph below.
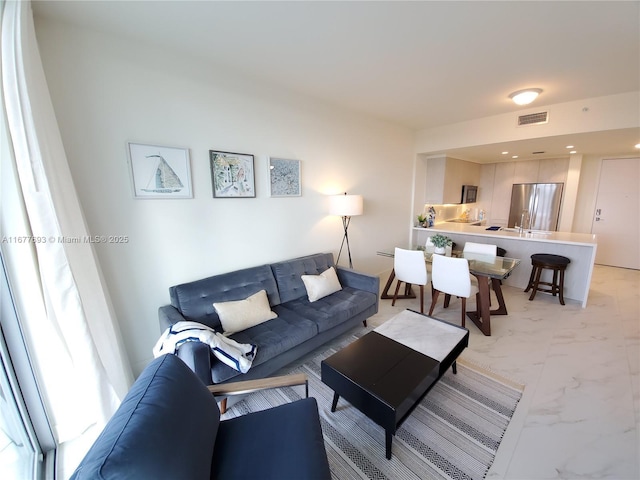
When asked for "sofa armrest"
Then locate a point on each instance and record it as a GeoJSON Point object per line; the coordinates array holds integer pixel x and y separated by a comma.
{"type": "Point", "coordinates": [361, 281]}
{"type": "Point", "coordinates": [249, 386]}
{"type": "Point", "coordinates": [169, 315]}
{"type": "Point", "coordinates": [197, 356]}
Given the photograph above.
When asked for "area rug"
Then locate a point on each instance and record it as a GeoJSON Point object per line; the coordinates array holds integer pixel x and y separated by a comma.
{"type": "Point", "coordinates": [453, 434]}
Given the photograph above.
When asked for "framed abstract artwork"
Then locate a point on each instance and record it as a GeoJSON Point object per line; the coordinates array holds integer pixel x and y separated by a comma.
{"type": "Point", "coordinates": [284, 178]}
{"type": "Point", "coordinates": [232, 175]}
{"type": "Point", "coordinates": [159, 172]}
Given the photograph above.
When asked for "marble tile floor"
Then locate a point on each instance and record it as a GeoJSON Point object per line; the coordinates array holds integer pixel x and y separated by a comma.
{"type": "Point", "coordinates": [579, 414]}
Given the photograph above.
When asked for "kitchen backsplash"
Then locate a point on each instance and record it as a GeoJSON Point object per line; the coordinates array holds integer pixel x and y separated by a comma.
{"type": "Point", "coordinates": [447, 212]}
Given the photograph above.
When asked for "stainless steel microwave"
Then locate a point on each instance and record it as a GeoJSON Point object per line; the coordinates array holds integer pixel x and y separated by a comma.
{"type": "Point", "coordinates": [469, 194]}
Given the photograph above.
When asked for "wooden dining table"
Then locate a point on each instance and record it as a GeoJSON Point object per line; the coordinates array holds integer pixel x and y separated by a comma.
{"type": "Point", "coordinates": [489, 271]}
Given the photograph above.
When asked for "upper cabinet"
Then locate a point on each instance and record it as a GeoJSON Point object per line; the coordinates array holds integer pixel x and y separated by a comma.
{"type": "Point", "coordinates": [445, 177]}
{"type": "Point", "coordinates": [499, 178]}
{"type": "Point", "coordinates": [553, 170]}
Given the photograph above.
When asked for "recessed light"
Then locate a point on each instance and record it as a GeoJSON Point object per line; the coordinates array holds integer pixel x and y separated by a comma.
{"type": "Point", "coordinates": [569, 146]}
{"type": "Point", "coordinates": [637, 145]}
{"type": "Point", "coordinates": [572, 151]}
{"type": "Point", "coordinates": [526, 96]}
{"type": "Point", "coordinates": [506, 153]}
{"type": "Point", "coordinates": [514, 156]}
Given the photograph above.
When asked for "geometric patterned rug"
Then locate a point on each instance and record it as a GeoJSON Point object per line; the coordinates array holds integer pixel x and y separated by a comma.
{"type": "Point", "coordinates": [453, 434]}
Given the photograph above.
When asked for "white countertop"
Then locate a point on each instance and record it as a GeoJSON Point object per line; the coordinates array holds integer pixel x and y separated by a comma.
{"type": "Point", "coordinates": [586, 239]}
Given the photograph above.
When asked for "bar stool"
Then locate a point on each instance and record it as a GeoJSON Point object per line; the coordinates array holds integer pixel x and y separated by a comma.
{"type": "Point", "coordinates": [541, 261]}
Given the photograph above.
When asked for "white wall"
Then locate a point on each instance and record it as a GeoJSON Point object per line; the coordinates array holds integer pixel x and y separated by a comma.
{"type": "Point", "coordinates": [107, 91]}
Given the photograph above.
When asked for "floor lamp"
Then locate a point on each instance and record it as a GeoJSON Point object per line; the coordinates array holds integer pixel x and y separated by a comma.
{"type": "Point", "coordinates": [346, 206]}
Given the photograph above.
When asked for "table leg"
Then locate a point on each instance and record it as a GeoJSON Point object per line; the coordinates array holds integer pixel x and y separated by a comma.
{"type": "Point", "coordinates": [502, 307]}
{"type": "Point", "coordinates": [388, 440]}
{"type": "Point", "coordinates": [482, 316]}
{"type": "Point", "coordinates": [385, 291]}
{"type": "Point", "coordinates": [335, 401]}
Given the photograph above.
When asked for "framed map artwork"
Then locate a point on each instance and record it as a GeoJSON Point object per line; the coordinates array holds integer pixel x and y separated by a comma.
{"type": "Point", "coordinates": [284, 178]}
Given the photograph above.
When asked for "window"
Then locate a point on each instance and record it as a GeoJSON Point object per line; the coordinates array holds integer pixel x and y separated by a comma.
{"type": "Point", "coordinates": [27, 447]}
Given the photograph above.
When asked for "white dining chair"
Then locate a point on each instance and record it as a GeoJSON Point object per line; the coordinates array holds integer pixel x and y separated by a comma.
{"type": "Point", "coordinates": [480, 248]}
{"type": "Point", "coordinates": [410, 267]}
{"type": "Point", "coordinates": [451, 276]}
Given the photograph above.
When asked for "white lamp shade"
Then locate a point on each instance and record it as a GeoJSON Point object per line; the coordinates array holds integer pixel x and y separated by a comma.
{"type": "Point", "coordinates": [346, 205]}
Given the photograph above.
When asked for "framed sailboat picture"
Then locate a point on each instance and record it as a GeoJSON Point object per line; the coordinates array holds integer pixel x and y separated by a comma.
{"type": "Point", "coordinates": [160, 172]}
{"type": "Point", "coordinates": [232, 175]}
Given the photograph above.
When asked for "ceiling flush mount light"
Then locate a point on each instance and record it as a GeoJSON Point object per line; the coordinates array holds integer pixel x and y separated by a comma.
{"type": "Point", "coordinates": [525, 97]}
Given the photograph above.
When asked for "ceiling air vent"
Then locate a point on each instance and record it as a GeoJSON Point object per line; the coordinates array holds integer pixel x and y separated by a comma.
{"type": "Point", "coordinates": [533, 119]}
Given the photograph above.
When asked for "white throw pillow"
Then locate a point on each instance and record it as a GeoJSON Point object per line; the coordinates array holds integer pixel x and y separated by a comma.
{"type": "Point", "coordinates": [241, 314]}
{"type": "Point", "coordinates": [319, 286]}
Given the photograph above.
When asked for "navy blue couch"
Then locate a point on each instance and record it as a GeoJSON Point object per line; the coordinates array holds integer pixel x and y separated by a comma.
{"type": "Point", "coordinates": [168, 426]}
{"type": "Point", "coordinates": [301, 326]}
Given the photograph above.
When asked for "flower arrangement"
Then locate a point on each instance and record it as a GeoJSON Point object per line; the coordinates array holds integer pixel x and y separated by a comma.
{"type": "Point", "coordinates": [441, 241]}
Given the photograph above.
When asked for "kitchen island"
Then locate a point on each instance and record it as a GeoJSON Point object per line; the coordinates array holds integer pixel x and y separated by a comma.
{"type": "Point", "coordinates": [580, 248]}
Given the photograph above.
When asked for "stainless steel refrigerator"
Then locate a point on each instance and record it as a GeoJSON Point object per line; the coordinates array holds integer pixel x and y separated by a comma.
{"type": "Point", "coordinates": [535, 206]}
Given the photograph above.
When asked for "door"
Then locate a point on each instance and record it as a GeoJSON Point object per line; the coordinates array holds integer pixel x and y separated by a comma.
{"type": "Point", "coordinates": [616, 220]}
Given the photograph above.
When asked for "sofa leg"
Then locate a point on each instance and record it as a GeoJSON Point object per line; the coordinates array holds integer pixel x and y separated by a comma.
{"type": "Point", "coordinates": [223, 405]}
{"type": "Point", "coordinates": [364, 322]}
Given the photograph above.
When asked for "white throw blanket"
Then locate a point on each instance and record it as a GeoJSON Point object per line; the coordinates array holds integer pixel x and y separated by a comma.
{"type": "Point", "coordinates": [237, 355]}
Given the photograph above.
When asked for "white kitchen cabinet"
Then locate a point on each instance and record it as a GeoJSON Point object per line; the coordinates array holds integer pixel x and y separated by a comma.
{"type": "Point", "coordinates": [485, 191]}
{"type": "Point", "coordinates": [501, 201]}
{"type": "Point", "coordinates": [553, 170]}
{"type": "Point", "coordinates": [507, 173]}
{"type": "Point", "coordinates": [526, 172]}
{"type": "Point", "coordinates": [445, 177]}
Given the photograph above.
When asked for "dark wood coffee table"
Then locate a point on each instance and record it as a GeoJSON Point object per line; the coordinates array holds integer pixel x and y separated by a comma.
{"type": "Point", "coordinates": [386, 379]}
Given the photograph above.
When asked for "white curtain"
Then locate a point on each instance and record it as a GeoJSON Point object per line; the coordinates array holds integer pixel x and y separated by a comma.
{"type": "Point", "coordinates": [61, 298]}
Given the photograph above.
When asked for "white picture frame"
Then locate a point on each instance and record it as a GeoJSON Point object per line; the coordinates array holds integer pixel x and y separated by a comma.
{"type": "Point", "coordinates": [159, 171]}
{"type": "Point", "coordinates": [284, 177]}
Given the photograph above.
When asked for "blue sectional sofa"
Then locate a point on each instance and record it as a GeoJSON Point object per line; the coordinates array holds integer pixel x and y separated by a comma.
{"type": "Point", "coordinates": [168, 426]}
{"type": "Point", "coordinates": [301, 326]}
